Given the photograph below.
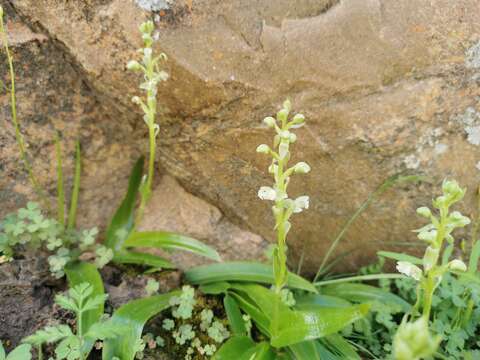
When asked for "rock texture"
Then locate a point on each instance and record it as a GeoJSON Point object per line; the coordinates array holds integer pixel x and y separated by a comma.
{"type": "Point", "coordinates": [386, 87]}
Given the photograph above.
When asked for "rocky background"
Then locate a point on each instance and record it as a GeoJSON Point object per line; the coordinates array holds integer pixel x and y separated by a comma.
{"type": "Point", "coordinates": [387, 87]}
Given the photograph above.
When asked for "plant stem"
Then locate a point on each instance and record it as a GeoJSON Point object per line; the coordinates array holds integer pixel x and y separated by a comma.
{"type": "Point", "coordinates": [146, 190]}
{"type": "Point", "coordinates": [60, 187]}
{"type": "Point", "coordinates": [429, 287]}
{"type": "Point", "coordinates": [18, 135]}
{"type": "Point", "coordinates": [280, 271]}
{"type": "Point", "coordinates": [72, 215]}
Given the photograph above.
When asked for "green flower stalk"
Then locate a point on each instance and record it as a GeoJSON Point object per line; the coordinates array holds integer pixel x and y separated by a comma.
{"type": "Point", "coordinates": [283, 207]}
{"type": "Point", "coordinates": [149, 66]}
{"type": "Point", "coordinates": [434, 234]}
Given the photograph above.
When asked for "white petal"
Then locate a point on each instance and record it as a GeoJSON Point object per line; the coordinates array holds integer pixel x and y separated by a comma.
{"type": "Point", "coordinates": [267, 193]}
{"type": "Point", "coordinates": [409, 269]}
{"type": "Point", "coordinates": [302, 202]}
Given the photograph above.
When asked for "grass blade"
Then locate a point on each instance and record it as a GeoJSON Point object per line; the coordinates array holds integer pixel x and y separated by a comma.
{"type": "Point", "coordinates": [170, 241]}
{"type": "Point", "coordinates": [60, 185]}
{"type": "Point", "coordinates": [123, 218]}
{"type": "Point", "coordinates": [72, 215]}
{"type": "Point", "coordinates": [242, 271]}
{"type": "Point", "coordinates": [362, 293]}
{"type": "Point", "coordinates": [133, 317]}
{"type": "Point", "coordinates": [359, 278]}
{"type": "Point", "coordinates": [400, 257]}
{"type": "Point", "coordinates": [391, 181]}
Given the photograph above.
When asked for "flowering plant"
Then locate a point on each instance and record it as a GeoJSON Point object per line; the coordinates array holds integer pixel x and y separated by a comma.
{"type": "Point", "coordinates": [283, 206]}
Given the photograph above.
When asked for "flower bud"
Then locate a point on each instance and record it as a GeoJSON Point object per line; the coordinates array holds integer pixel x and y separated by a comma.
{"type": "Point", "coordinates": [282, 115]}
{"type": "Point", "coordinates": [263, 149]}
{"type": "Point", "coordinates": [457, 265]}
{"type": "Point", "coordinates": [450, 187]}
{"type": "Point", "coordinates": [302, 168]}
{"type": "Point", "coordinates": [428, 235]}
{"type": "Point", "coordinates": [292, 138]}
{"type": "Point", "coordinates": [458, 219]}
{"type": "Point", "coordinates": [163, 75]}
{"type": "Point", "coordinates": [134, 65]}
{"type": "Point", "coordinates": [287, 105]}
{"type": "Point", "coordinates": [147, 39]}
{"type": "Point", "coordinates": [298, 121]}
{"type": "Point", "coordinates": [147, 27]}
{"type": "Point", "coordinates": [269, 121]}
{"type": "Point", "coordinates": [424, 211]}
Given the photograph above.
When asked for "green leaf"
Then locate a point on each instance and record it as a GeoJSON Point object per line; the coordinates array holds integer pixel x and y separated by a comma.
{"type": "Point", "coordinates": [104, 330]}
{"type": "Point", "coordinates": [123, 218]}
{"type": "Point", "coordinates": [216, 288]}
{"type": "Point", "coordinates": [289, 326]}
{"type": "Point", "coordinates": [2, 352]}
{"type": "Point", "coordinates": [298, 326]}
{"type": "Point", "coordinates": [133, 316]}
{"type": "Point", "coordinates": [49, 334]}
{"type": "Point", "coordinates": [337, 344]}
{"type": "Point", "coordinates": [94, 302]}
{"type": "Point", "coordinates": [400, 257]}
{"type": "Point", "coordinates": [305, 300]}
{"type": "Point", "coordinates": [242, 271]}
{"type": "Point", "coordinates": [144, 259]}
{"type": "Point", "coordinates": [332, 347]}
{"type": "Point", "coordinates": [170, 241]}
{"type": "Point", "coordinates": [233, 348]}
{"type": "Point", "coordinates": [82, 272]}
{"type": "Point", "coordinates": [243, 348]}
{"type": "Point", "coordinates": [66, 303]}
{"type": "Point", "coordinates": [248, 306]}
{"type": "Point", "coordinates": [361, 293]}
{"type": "Point", "coordinates": [234, 315]}
{"type": "Point", "coordinates": [261, 351]}
{"type": "Point", "coordinates": [21, 352]}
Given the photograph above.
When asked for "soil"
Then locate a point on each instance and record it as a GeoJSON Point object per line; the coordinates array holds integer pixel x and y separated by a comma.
{"type": "Point", "coordinates": [27, 293]}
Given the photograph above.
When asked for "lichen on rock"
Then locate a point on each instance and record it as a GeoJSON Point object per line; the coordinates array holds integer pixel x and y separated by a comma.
{"type": "Point", "coordinates": [153, 5]}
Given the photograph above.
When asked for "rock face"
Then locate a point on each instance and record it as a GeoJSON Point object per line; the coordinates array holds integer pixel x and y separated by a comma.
{"type": "Point", "coordinates": [386, 87]}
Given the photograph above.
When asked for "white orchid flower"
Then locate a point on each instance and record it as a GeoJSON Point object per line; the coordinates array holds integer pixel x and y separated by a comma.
{"type": "Point", "coordinates": [406, 268]}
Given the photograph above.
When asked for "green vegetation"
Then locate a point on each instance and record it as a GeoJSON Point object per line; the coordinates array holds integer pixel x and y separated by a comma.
{"type": "Point", "coordinates": [240, 310]}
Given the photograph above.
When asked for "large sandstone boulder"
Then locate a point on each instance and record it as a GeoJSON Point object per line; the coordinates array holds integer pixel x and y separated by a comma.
{"type": "Point", "coordinates": [386, 86]}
